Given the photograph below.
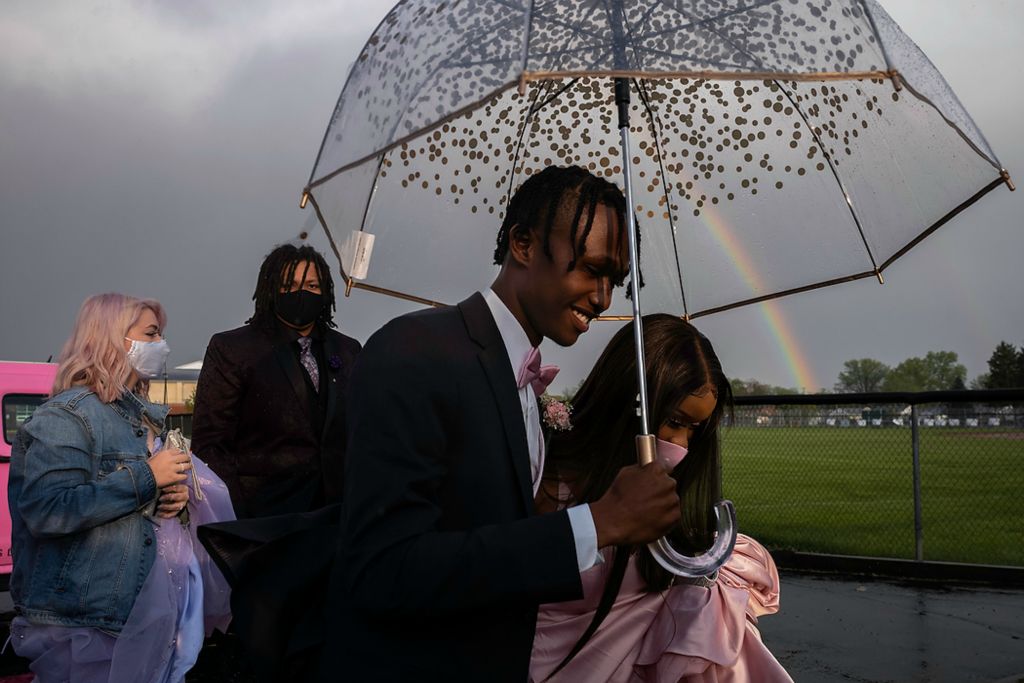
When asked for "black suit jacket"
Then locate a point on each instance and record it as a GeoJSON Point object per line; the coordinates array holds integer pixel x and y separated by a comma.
{"type": "Point", "coordinates": [277, 444]}
{"type": "Point", "coordinates": [443, 559]}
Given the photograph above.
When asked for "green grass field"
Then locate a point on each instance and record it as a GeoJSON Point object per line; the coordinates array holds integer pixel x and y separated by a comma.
{"type": "Point", "coordinates": [850, 491]}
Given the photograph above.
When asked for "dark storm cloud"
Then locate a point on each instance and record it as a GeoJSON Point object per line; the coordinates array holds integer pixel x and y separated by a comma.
{"type": "Point", "coordinates": [159, 148]}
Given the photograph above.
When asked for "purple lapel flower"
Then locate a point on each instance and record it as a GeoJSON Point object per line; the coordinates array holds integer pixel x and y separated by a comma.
{"type": "Point", "coordinates": [334, 362]}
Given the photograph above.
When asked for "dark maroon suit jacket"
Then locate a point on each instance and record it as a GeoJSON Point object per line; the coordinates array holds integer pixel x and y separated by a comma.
{"type": "Point", "coordinates": [258, 423]}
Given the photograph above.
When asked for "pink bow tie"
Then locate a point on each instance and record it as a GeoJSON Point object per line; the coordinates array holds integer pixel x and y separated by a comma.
{"type": "Point", "coordinates": [536, 375]}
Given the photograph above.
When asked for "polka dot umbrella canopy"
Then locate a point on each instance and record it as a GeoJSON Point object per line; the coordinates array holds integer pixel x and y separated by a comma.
{"type": "Point", "coordinates": [768, 147]}
{"type": "Point", "coordinates": [776, 146]}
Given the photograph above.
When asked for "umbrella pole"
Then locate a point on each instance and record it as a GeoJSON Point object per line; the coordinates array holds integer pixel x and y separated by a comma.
{"type": "Point", "coordinates": [707, 564]}
{"type": "Point", "coordinates": [645, 441]}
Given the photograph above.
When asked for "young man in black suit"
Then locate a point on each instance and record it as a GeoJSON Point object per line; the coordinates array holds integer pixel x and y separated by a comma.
{"type": "Point", "coordinates": [443, 559]}
{"type": "Point", "coordinates": [270, 403]}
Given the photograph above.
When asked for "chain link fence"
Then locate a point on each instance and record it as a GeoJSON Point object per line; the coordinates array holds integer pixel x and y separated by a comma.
{"type": "Point", "coordinates": [933, 476]}
{"type": "Point", "coordinates": [840, 474]}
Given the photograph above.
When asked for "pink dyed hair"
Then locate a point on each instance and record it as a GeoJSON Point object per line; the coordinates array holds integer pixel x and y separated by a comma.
{"type": "Point", "coordinates": [94, 355]}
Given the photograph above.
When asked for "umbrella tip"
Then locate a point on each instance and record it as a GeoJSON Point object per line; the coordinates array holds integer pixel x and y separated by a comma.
{"type": "Point", "coordinates": [895, 76]}
{"type": "Point", "coordinates": [878, 274]}
{"type": "Point", "coordinates": [304, 200]}
{"type": "Point", "coordinates": [1006, 179]}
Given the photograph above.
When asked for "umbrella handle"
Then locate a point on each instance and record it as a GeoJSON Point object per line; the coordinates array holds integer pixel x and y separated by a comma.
{"type": "Point", "coordinates": [713, 558]}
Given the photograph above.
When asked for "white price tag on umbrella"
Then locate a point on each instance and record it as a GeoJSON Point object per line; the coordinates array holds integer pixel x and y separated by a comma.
{"type": "Point", "coordinates": [355, 253]}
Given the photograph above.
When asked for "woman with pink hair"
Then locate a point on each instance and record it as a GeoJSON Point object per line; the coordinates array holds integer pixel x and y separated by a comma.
{"type": "Point", "coordinates": [107, 582]}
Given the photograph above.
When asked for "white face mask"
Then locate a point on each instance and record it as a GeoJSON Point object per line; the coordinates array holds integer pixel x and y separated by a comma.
{"type": "Point", "coordinates": [148, 358]}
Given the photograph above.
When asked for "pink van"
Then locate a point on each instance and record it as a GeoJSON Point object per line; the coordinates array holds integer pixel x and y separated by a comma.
{"type": "Point", "coordinates": [23, 387]}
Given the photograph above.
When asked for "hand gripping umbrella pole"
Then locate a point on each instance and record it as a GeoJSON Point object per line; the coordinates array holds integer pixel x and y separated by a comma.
{"type": "Point", "coordinates": [725, 514]}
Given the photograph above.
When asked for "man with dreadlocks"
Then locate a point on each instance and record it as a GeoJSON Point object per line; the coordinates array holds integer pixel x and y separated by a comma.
{"type": "Point", "coordinates": [270, 403]}
{"type": "Point", "coordinates": [443, 558]}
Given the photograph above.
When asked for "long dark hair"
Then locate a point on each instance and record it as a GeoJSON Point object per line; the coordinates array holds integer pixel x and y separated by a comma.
{"type": "Point", "coordinates": [279, 266]}
{"type": "Point", "coordinates": [680, 361]}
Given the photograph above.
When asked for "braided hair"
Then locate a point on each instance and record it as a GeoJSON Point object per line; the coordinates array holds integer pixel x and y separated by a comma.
{"type": "Point", "coordinates": [548, 197]}
{"type": "Point", "coordinates": [279, 266]}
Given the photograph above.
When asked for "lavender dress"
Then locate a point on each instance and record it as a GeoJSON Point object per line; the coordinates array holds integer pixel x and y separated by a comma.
{"type": "Point", "coordinates": [182, 600]}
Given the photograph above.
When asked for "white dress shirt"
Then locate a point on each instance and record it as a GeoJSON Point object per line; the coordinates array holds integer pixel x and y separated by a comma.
{"type": "Point", "coordinates": [518, 346]}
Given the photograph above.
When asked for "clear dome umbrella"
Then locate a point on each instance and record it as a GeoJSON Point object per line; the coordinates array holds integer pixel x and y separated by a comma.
{"type": "Point", "coordinates": [768, 147]}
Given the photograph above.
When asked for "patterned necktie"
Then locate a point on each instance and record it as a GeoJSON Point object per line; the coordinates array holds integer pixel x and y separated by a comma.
{"type": "Point", "coordinates": [309, 361]}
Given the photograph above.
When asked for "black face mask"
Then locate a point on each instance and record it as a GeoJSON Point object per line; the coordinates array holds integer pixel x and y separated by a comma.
{"type": "Point", "coordinates": [299, 308]}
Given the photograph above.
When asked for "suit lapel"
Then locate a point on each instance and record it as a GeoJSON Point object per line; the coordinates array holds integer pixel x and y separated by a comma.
{"type": "Point", "coordinates": [330, 376]}
{"type": "Point", "coordinates": [289, 364]}
{"type": "Point", "coordinates": [494, 358]}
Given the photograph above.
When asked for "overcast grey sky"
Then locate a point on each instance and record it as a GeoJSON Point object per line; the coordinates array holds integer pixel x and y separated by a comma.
{"type": "Point", "coordinates": [159, 148]}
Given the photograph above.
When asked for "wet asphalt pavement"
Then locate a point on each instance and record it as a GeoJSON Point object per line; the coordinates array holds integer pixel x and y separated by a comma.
{"type": "Point", "coordinates": [857, 630]}
{"type": "Point", "coordinates": [831, 629]}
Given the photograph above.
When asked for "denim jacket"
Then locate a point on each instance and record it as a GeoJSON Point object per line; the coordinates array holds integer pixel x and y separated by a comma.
{"type": "Point", "coordinates": [81, 496]}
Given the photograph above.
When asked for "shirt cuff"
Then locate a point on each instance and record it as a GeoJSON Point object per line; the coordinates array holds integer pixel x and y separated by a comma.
{"type": "Point", "coordinates": [584, 533]}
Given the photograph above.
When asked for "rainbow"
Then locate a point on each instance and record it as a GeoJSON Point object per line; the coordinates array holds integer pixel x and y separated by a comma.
{"type": "Point", "coordinates": [781, 329]}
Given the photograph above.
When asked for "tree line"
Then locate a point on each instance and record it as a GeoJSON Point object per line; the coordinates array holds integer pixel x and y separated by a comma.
{"type": "Point", "coordinates": [935, 371]}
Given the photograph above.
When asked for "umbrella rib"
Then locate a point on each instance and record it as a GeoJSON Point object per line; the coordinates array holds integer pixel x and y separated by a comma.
{"type": "Point", "coordinates": [533, 109]}
{"type": "Point", "coordinates": [330, 238]}
{"type": "Point", "coordinates": [554, 96]}
{"type": "Point", "coordinates": [519, 144]}
{"type": "Point", "coordinates": [647, 15]}
{"type": "Point", "coordinates": [717, 309]}
{"type": "Point", "coordinates": [835, 174]}
{"type": "Point", "coordinates": [866, 274]}
{"type": "Point", "coordinates": [694, 22]}
{"type": "Point", "coordinates": [693, 58]}
{"type": "Point", "coordinates": [539, 12]}
{"type": "Point", "coordinates": [878, 36]}
{"type": "Point", "coordinates": [527, 35]}
{"type": "Point", "coordinates": [945, 219]}
{"type": "Point", "coordinates": [735, 44]}
{"type": "Point", "coordinates": [449, 61]}
{"type": "Point", "coordinates": [549, 53]}
{"type": "Point", "coordinates": [675, 55]}
{"type": "Point", "coordinates": [787, 292]}
{"type": "Point", "coordinates": [412, 136]}
{"type": "Point", "coordinates": [666, 53]}
{"type": "Point", "coordinates": [337, 105]}
{"type": "Point", "coordinates": [600, 41]}
{"type": "Point", "coordinates": [373, 193]}
{"type": "Point", "coordinates": [995, 162]}
{"type": "Point", "coordinates": [731, 42]}
{"type": "Point", "coordinates": [327, 130]}
{"type": "Point", "coordinates": [445, 63]}
{"type": "Point", "coordinates": [664, 182]}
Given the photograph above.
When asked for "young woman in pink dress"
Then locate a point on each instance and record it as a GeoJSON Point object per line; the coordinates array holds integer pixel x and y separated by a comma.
{"type": "Point", "coordinates": [659, 627]}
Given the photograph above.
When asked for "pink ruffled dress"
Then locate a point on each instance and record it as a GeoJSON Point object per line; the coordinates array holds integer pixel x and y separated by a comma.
{"type": "Point", "coordinates": [685, 633]}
